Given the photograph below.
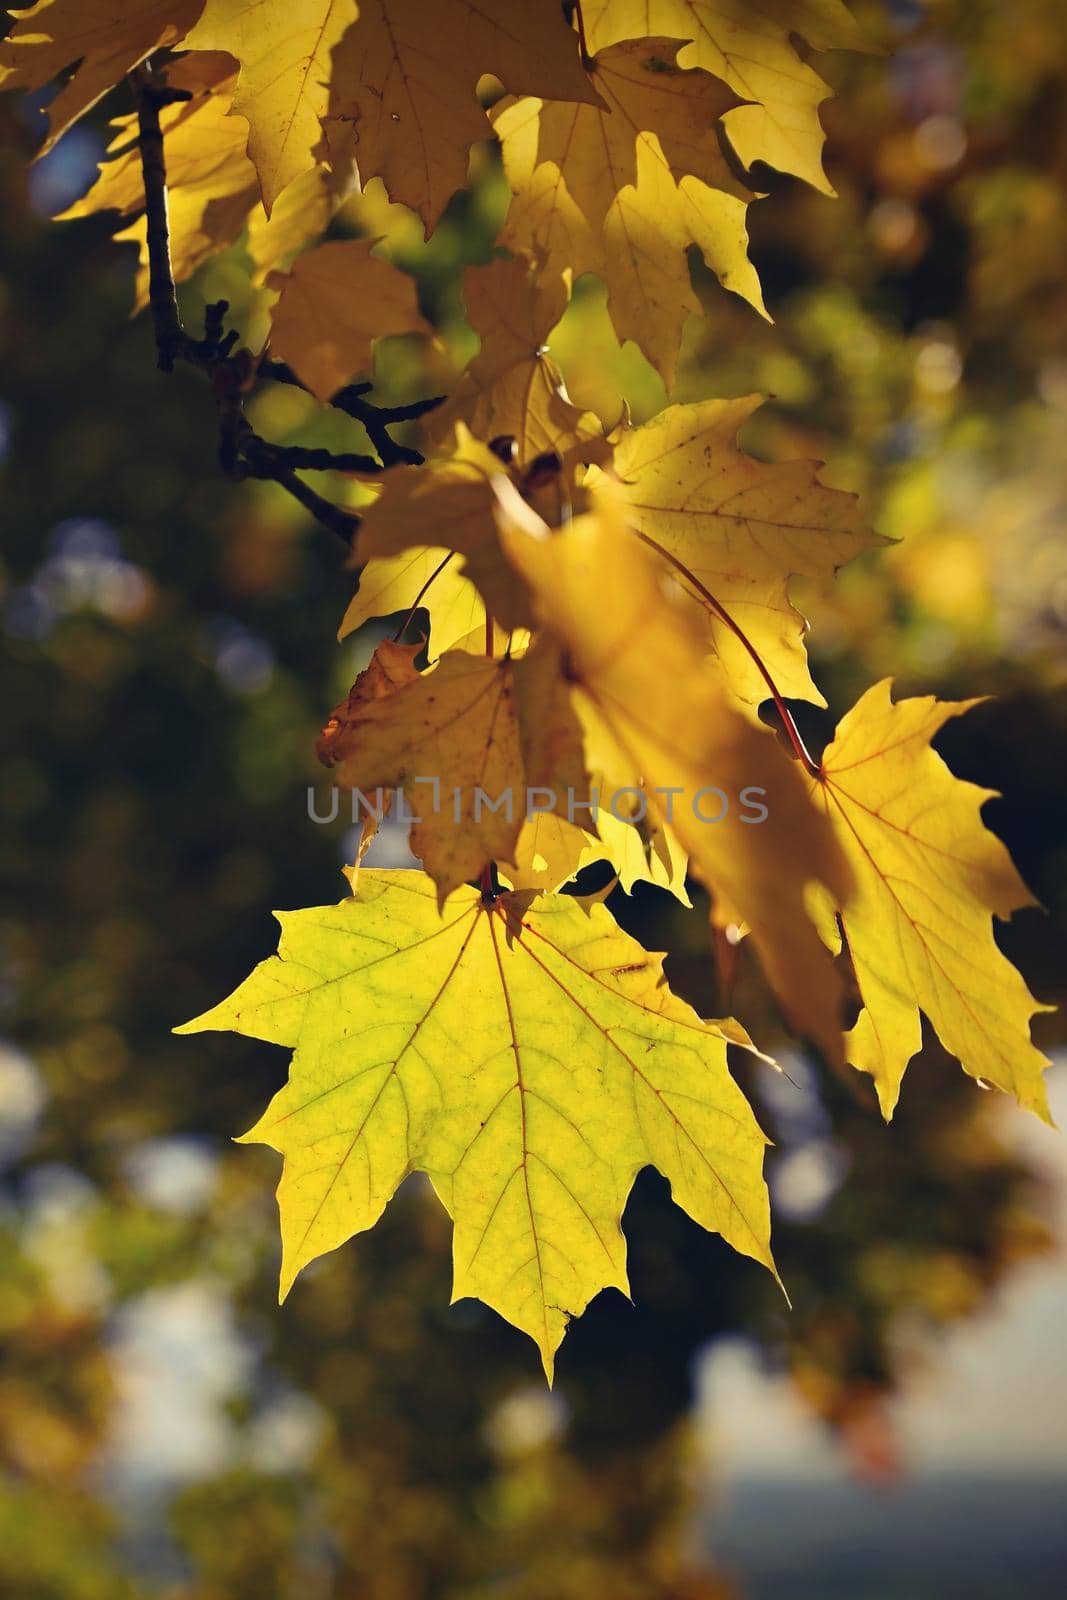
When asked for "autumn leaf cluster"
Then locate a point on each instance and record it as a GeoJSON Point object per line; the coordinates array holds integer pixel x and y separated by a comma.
{"type": "Point", "coordinates": [608, 611]}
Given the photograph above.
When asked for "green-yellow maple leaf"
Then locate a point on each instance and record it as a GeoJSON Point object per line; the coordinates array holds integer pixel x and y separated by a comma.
{"type": "Point", "coordinates": [624, 191]}
{"type": "Point", "coordinates": [528, 1057]}
{"type": "Point", "coordinates": [749, 45]}
{"type": "Point", "coordinates": [929, 879]}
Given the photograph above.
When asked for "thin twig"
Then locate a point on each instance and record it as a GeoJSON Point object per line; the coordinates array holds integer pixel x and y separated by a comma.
{"type": "Point", "coordinates": [376, 419]}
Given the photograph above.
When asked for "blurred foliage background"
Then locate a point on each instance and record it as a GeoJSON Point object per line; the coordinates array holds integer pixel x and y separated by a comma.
{"type": "Point", "coordinates": [168, 656]}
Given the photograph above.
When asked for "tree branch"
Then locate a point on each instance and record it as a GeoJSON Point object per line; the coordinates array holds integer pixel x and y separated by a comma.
{"type": "Point", "coordinates": [376, 419]}
{"type": "Point", "coordinates": [232, 371]}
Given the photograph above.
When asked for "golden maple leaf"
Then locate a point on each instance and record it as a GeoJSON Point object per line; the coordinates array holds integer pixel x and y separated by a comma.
{"type": "Point", "coordinates": [735, 530]}
{"type": "Point", "coordinates": [636, 651]}
{"type": "Point", "coordinates": [512, 388]}
{"type": "Point", "coordinates": [404, 82]}
{"type": "Point", "coordinates": [452, 497]}
{"type": "Point", "coordinates": [468, 741]}
{"type": "Point", "coordinates": [211, 184]}
{"type": "Point", "coordinates": [929, 879]}
{"type": "Point", "coordinates": [283, 52]}
{"type": "Point", "coordinates": [749, 45]}
{"type": "Point", "coordinates": [212, 189]}
{"type": "Point", "coordinates": [335, 302]}
{"type": "Point", "coordinates": [418, 576]}
{"type": "Point", "coordinates": [103, 39]}
{"type": "Point", "coordinates": [624, 191]}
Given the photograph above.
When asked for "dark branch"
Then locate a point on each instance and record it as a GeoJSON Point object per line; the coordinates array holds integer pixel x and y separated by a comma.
{"type": "Point", "coordinates": [151, 98]}
{"type": "Point", "coordinates": [242, 453]}
{"type": "Point", "coordinates": [376, 419]}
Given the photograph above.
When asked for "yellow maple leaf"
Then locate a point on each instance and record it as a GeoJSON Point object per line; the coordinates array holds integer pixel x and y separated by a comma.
{"type": "Point", "coordinates": [929, 879]}
{"type": "Point", "coordinates": [641, 849]}
{"type": "Point", "coordinates": [104, 38]}
{"type": "Point", "coordinates": [419, 576]}
{"type": "Point", "coordinates": [284, 54]}
{"type": "Point", "coordinates": [637, 653]}
{"type": "Point", "coordinates": [420, 1044]}
{"type": "Point", "coordinates": [551, 850]}
{"type": "Point", "coordinates": [335, 302]}
{"type": "Point", "coordinates": [452, 497]}
{"type": "Point", "coordinates": [301, 214]}
{"type": "Point", "coordinates": [749, 45]}
{"type": "Point", "coordinates": [469, 742]}
{"type": "Point", "coordinates": [624, 191]}
{"type": "Point", "coordinates": [735, 530]}
{"type": "Point", "coordinates": [513, 388]}
{"type": "Point", "coordinates": [404, 86]}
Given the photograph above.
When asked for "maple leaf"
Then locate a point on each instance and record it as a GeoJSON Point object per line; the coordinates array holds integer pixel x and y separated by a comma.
{"type": "Point", "coordinates": [735, 530]}
{"type": "Point", "coordinates": [106, 38]}
{"type": "Point", "coordinates": [749, 45]}
{"type": "Point", "coordinates": [513, 388]}
{"type": "Point", "coordinates": [624, 191]}
{"type": "Point", "coordinates": [418, 576]}
{"type": "Point", "coordinates": [551, 850]}
{"type": "Point", "coordinates": [336, 301]}
{"type": "Point", "coordinates": [451, 496]}
{"type": "Point", "coordinates": [301, 214]}
{"type": "Point", "coordinates": [422, 1043]}
{"type": "Point", "coordinates": [404, 85]}
{"type": "Point", "coordinates": [929, 878]}
{"type": "Point", "coordinates": [283, 51]}
{"type": "Point", "coordinates": [467, 741]}
{"type": "Point", "coordinates": [641, 849]}
{"type": "Point", "coordinates": [637, 653]}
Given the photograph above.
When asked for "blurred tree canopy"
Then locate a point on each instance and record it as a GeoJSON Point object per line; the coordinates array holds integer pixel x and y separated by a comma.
{"type": "Point", "coordinates": [168, 652]}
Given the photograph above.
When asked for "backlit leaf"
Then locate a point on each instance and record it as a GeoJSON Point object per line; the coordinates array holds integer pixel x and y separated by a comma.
{"type": "Point", "coordinates": [420, 1044]}
{"type": "Point", "coordinates": [623, 192]}
{"type": "Point", "coordinates": [749, 45]}
{"type": "Point", "coordinates": [929, 877]}
{"type": "Point", "coordinates": [283, 51]}
{"type": "Point", "coordinates": [452, 498]}
{"type": "Point", "coordinates": [405, 78]}
{"type": "Point", "coordinates": [735, 530]}
{"type": "Point", "coordinates": [467, 741]}
{"type": "Point", "coordinates": [105, 39]}
{"type": "Point", "coordinates": [211, 184]}
{"type": "Point", "coordinates": [513, 388]}
{"type": "Point", "coordinates": [335, 302]}
{"type": "Point", "coordinates": [418, 576]}
{"type": "Point", "coordinates": [637, 653]}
